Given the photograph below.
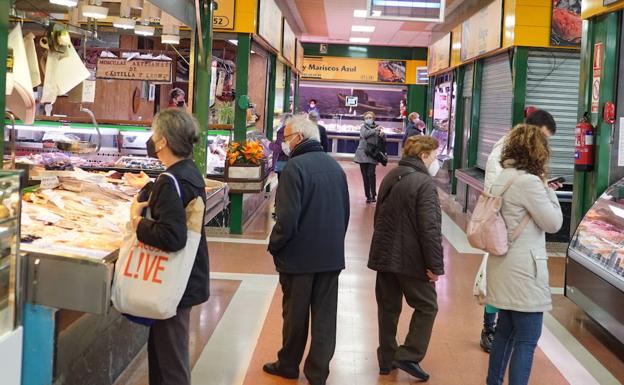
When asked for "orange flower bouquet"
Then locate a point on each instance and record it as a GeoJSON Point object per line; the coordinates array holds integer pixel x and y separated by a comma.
{"type": "Point", "coordinates": [249, 153]}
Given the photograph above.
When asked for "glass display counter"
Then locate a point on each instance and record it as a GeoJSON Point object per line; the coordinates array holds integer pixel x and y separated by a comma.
{"type": "Point", "coordinates": [343, 133]}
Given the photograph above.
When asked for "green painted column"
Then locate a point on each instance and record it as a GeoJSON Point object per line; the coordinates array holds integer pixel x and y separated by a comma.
{"type": "Point", "coordinates": [473, 142]}
{"type": "Point", "coordinates": [287, 80]}
{"type": "Point", "coordinates": [459, 126]}
{"type": "Point", "coordinates": [296, 96]}
{"type": "Point", "coordinates": [5, 6]}
{"type": "Point", "coordinates": [203, 72]}
{"type": "Point", "coordinates": [270, 110]}
{"type": "Point", "coordinates": [520, 71]}
{"type": "Point", "coordinates": [417, 99]}
{"type": "Point", "coordinates": [240, 121]}
{"type": "Point", "coordinates": [430, 92]}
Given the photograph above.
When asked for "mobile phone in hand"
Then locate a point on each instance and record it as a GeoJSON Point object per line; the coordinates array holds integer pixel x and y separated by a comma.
{"type": "Point", "coordinates": [557, 180]}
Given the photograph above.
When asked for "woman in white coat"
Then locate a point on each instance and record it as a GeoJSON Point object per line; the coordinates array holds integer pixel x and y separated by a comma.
{"type": "Point", "coordinates": [517, 283]}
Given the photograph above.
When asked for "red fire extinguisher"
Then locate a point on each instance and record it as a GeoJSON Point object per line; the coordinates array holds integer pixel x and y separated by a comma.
{"type": "Point", "coordinates": [584, 149]}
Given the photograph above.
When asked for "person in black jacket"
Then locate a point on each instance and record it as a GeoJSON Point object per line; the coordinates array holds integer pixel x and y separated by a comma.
{"type": "Point", "coordinates": [406, 252]}
{"type": "Point", "coordinates": [307, 244]}
{"type": "Point", "coordinates": [175, 133]}
{"type": "Point", "coordinates": [314, 117]}
{"type": "Point", "coordinates": [414, 127]}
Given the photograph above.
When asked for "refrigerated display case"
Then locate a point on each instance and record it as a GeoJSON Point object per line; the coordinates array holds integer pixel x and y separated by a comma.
{"type": "Point", "coordinates": [595, 265]}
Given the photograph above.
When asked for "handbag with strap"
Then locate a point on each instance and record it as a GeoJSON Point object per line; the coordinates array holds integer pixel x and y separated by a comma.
{"type": "Point", "coordinates": [487, 229]}
{"type": "Point", "coordinates": [149, 282]}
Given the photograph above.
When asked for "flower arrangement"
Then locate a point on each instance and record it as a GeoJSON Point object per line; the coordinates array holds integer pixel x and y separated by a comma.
{"type": "Point", "coordinates": [251, 152]}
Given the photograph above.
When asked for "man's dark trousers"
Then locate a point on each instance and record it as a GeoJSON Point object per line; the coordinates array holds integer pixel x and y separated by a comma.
{"type": "Point", "coordinates": [304, 294]}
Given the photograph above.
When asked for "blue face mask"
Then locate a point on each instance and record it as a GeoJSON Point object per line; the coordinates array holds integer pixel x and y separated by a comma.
{"type": "Point", "coordinates": [369, 122]}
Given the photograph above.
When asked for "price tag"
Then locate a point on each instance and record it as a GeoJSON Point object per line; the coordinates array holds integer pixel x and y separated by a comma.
{"type": "Point", "coordinates": [54, 198]}
{"type": "Point", "coordinates": [49, 182]}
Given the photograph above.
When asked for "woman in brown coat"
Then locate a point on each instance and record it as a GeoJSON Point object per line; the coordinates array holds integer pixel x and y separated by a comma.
{"type": "Point", "coordinates": [407, 254]}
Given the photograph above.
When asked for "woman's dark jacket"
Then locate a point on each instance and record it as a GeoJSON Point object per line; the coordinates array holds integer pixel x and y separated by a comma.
{"type": "Point", "coordinates": [167, 229]}
{"type": "Point", "coordinates": [408, 223]}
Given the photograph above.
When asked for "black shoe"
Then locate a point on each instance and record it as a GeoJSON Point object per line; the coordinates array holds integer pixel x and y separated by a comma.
{"type": "Point", "coordinates": [413, 369]}
{"type": "Point", "coordinates": [274, 369]}
{"type": "Point", "coordinates": [386, 371]}
{"type": "Point", "coordinates": [369, 201]}
{"type": "Point", "coordinates": [374, 200]}
{"type": "Point", "coordinates": [487, 337]}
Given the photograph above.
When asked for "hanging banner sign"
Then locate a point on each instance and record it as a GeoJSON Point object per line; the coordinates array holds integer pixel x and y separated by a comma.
{"type": "Point", "coordinates": [223, 16]}
{"type": "Point", "coordinates": [158, 71]}
{"type": "Point", "coordinates": [440, 54]}
{"type": "Point", "coordinates": [598, 55]}
{"type": "Point", "coordinates": [482, 32]}
{"type": "Point", "coordinates": [354, 70]}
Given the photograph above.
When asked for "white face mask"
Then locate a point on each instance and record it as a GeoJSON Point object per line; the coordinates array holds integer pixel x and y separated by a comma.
{"type": "Point", "coordinates": [369, 122]}
{"type": "Point", "coordinates": [286, 149]}
{"type": "Point", "coordinates": [434, 168]}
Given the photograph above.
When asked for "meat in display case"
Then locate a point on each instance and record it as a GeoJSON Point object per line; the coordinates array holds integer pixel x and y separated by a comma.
{"type": "Point", "coordinates": [595, 264]}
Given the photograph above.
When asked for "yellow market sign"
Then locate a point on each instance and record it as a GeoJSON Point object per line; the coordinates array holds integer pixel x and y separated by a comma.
{"type": "Point", "coordinates": [591, 8]}
{"type": "Point", "coordinates": [158, 71]}
{"type": "Point", "coordinates": [440, 54]}
{"type": "Point", "coordinates": [223, 17]}
{"type": "Point", "coordinates": [482, 32]}
{"type": "Point", "coordinates": [354, 70]}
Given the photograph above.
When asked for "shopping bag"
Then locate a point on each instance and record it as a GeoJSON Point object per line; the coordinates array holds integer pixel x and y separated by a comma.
{"type": "Point", "coordinates": [150, 282]}
{"type": "Point", "coordinates": [479, 289]}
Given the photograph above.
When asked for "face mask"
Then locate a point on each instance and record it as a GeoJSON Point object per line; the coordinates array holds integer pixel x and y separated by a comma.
{"type": "Point", "coordinates": [312, 105]}
{"type": "Point", "coordinates": [151, 148]}
{"type": "Point", "coordinates": [181, 104]}
{"type": "Point", "coordinates": [434, 168]}
{"type": "Point", "coordinates": [286, 148]}
{"type": "Point", "coordinates": [369, 122]}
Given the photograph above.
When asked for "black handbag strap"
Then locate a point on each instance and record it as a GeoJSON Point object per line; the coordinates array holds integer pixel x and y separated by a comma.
{"type": "Point", "coordinates": [398, 179]}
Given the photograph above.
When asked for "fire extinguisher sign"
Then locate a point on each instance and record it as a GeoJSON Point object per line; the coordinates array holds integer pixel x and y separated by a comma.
{"type": "Point", "coordinates": [598, 56]}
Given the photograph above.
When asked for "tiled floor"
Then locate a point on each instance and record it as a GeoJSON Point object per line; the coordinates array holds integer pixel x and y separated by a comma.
{"type": "Point", "coordinates": [573, 349]}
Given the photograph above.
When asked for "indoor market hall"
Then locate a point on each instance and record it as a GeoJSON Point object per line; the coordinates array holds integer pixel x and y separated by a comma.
{"type": "Point", "coordinates": [312, 192]}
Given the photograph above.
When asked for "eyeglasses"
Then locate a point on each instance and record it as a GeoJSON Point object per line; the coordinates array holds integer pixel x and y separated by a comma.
{"type": "Point", "coordinates": [293, 134]}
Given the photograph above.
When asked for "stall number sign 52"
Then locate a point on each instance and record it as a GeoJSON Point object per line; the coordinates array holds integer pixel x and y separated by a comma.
{"type": "Point", "coordinates": [223, 17]}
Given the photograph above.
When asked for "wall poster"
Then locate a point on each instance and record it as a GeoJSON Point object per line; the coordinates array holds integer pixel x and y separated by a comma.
{"type": "Point", "coordinates": [566, 26]}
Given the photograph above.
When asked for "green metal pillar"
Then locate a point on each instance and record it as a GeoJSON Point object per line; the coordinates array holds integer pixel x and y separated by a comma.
{"type": "Point", "coordinates": [270, 110]}
{"type": "Point", "coordinates": [203, 72]}
{"type": "Point", "coordinates": [5, 6]}
{"type": "Point", "coordinates": [473, 142]}
{"type": "Point", "coordinates": [296, 96]}
{"type": "Point", "coordinates": [287, 81]}
{"type": "Point", "coordinates": [240, 121]}
{"type": "Point", "coordinates": [430, 104]}
{"type": "Point", "coordinates": [520, 69]}
{"type": "Point", "coordinates": [459, 126]}
{"type": "Point", "coordinates": [417, 99]}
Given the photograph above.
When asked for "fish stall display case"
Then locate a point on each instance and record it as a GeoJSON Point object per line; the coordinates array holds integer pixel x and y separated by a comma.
{"type": "Point", "coordinates": [595, 262]}
{"type": "Point", "coordinates": [343, 134]}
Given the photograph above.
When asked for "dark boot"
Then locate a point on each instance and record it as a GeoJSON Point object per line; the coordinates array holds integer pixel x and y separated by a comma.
{"type": "Point", "coordinates": [487, 337]}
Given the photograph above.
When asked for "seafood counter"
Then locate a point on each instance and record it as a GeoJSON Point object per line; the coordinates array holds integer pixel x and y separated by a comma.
{"type": "Point", "coordinates": [343, 133]}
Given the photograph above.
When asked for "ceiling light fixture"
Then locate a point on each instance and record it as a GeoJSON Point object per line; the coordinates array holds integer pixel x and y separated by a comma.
{"type": "Point", "coordinates": [170, 39]}
{"type": "Point", "coordinates": [94, 11]}
{"type": "Point", "coordinates": [66, 3]}
{"type": "Point", "coordinates": [123, 23]}
{"type": "Point", "coordinates": [362, 40]}
{"type": "Point", "coordinates": [406, 4]}
{"type": "Point", "coordinates": [144, 30]}
{"type": "Point", "coordinates": [363, 28]}
{"type": "Point", "coordinates": [170, 34]}
{"type": "Point", "coordinates": [233, 41]}
{"type": "Point", "coordinates": [362, 13]}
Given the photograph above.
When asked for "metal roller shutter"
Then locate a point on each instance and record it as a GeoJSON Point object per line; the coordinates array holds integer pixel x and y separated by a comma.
{"type": "Point", "coordinates": [468, 78]}
{"type": "Point", "coordinates": [496, 105]}
{"type": "Point", "coordinates": [553, 85]}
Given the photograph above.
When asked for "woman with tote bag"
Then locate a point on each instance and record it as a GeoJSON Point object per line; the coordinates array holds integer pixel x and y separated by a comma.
{"type": "Point", "coordinates": [173, 226]}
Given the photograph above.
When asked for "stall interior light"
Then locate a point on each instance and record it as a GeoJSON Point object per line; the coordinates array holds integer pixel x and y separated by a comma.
{"type": "Point", "coordinates": [362, 40]}
{"type": "Point", "coordinates": [124, 23]}
{"type": "Point", "coordinates": [144, 30]}
{"type": "Point", "coordinates": [66, 3]}
{"type": "Point", "coordinates": [363, 28]}
{"type": "Point", "coordinates": [94, 11]}
{"type": "Point", "coordinates": [406, 4]}
{"type": "Point", "coordinates": [170, 39]}
{"type": "Point", "coordinates": [233, 41]}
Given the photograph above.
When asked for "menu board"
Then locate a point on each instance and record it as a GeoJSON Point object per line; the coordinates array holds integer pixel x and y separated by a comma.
{"type": "Point", "coordinates": [440, 54]}
{"type": "Point", "coordinates": [482, 32]}
{"type": "Point", "coordinates": [270, 18]}
{"type": "Point", "coordinates": [289, 44]}
{"type": "Point", "coordinates": [599, 240]}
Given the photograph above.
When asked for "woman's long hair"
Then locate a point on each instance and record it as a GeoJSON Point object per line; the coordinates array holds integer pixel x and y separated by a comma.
{"type": "Point", "coordinates": [526, 148]}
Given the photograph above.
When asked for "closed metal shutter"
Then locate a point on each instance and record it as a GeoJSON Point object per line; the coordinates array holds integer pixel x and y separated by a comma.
{"type": "Point", "coordinates": [468, 78]}
{"type": "Point", "coordinates": [553, 85]}
{"type": "Point", "coordinates": [496, 105]}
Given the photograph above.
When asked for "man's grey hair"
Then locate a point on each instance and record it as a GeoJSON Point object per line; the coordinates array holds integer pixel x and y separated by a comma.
{"type": "Point", "coordinates": [179, 128]}
{"type": "Point", "coordinates": [286, 118]}
{"type": "Point", "coordinates": [308, 129]}
{"type": "Point", "coordinates": [313, 116]}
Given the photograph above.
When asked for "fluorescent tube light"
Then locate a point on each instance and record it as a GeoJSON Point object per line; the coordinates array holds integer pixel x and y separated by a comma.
{"type": "Point", "coordinates": [94, 11]}
{"type": "Point", "coordinates": [170, 39]}
{"type": "Point", "coordinates": [363, 40]}
{"type": "Point", "coordinates": [362, 13]}
{"type": "Point", "coordinates": [144, 30]}
{"type": "Point", "coordinates": [123, 23]}
{"type": "Point", "coordinates": [66, 3]}
{"type": "Point", "coordinates": [363, 28]}
{"type": "Point", "coordinates": [405, 4]}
